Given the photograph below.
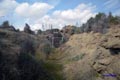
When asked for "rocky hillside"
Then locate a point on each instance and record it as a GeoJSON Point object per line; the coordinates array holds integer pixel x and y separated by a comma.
{"type": "Point", "coordinates": [18, 52]}
{"type": "Point", "coordinates": [100, 23]}
{"type": "Point", "coordinates": [67, 54]}
{"type": "Point", "coordinates": [91, 56]}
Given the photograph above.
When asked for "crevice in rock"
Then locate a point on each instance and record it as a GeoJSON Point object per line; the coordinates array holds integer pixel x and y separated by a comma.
{"type": "Point", "coordinates": [114, 51]}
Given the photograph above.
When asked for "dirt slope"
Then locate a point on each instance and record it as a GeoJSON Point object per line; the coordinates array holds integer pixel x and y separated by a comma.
{"type": "Point", "coordinates": [91, 56]}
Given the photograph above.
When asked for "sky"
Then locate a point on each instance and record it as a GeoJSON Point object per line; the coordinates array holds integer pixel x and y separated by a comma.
{"type": "Point", "coordinates": [55, 13]}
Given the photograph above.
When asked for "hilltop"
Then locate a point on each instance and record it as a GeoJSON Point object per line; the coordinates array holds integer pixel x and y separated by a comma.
{"type": "Point", "coordinates": [100, 23]}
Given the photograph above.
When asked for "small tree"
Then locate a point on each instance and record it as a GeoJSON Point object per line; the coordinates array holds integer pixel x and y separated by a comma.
{"type": "Point", "coordinates": [27, 46]}
{"type": "Point", "coordinates": [27, 29]}
{"type": "Point", "coordinates": [114, 20]}
{"type": "Point", "coordinates": [47, 49]}
{"type": "Point", "coordinates": [39, 32]}
{"type": "Point", "coordinates": [99, 15]}
{"type": "Point", "coordinates": [5, 24]}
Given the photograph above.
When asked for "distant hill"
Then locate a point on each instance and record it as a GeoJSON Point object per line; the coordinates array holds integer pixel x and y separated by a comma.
{"type": "Point", "coordinates": [100, 23]}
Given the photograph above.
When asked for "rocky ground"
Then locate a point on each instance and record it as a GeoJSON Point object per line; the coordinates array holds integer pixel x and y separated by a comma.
{"type": "Point", "coordinates": [91, 56]}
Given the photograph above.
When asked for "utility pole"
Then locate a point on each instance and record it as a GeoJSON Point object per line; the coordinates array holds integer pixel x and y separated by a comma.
{"type": "Point", "coordinates": [43, 27]}
{"type": "Point", "coordinates": [52, 35]}
{"type": "Point", "coordinates": [51, 28]}
{"type": "Point", "coordinates": [77, 24]}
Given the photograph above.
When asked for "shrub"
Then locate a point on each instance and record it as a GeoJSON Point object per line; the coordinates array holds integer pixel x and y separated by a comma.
{"type": "Point", "coordinates": [55, 70]}
{"type": "Point", "coordinates": [114, 20]}
{"type": "Point", "coordinates": [31, 69]}
{"type": "Point", "coordinates": [99, 15]}
{"type": "Point", "coordinates": [78, 57]}
{"type": "Point", "coordinates": [39, 32]}
{"type": "Point", "coordinates": [8, 70]}
{"type": "Point", "coordinates": [27, 46]}
{"type": "Point", "coordinates": [47, 49]}
{"type": "Point", "coordinates": [5, 24]}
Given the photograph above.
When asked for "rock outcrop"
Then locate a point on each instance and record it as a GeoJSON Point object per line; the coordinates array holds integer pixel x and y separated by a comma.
{"type": "Point", "coordinates": [27, 29]}
{"type": "Point", "coordinates": [91, 56]}
{"type": "Point", "coordinates": [69, 30]}
{"type": "Point", "coordinates": [7, 26]}
{"type": "Point", "coordinates": [55, 37]}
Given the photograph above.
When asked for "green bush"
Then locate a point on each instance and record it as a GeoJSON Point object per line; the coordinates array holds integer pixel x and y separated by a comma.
{"type": "Point", "coordinates": [78, 57]}
{"type": "Point", "coordinates": [114, 20]}
{"type": "Point", "coordinates": [47, 50]}
{"type": "Point", "coordinates": [99, 15]}
{"type": "Point", "coordinates": [54, 69]}
{"type": "Point", "coordinates": [31, 69]}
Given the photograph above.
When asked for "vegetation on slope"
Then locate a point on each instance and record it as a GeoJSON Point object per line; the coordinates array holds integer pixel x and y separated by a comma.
{"type": "Point", "coordinates": [25, 55]}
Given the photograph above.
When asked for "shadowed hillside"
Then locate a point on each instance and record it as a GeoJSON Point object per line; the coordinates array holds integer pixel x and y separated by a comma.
{"type": "Point", "coordinates": [22, 54]}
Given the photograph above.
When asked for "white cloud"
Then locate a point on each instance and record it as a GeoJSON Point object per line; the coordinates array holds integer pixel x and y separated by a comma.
{"type": "Point", "coordinates": [36, 14]}
{"type": "Point", "coordinates": [35, 10]}
{"type": "Point", "coordinates": [25, 10]}
{"type": "Point", "coordinates": [54, 2]}
{"type": "Point", "coordinates": [112, 3]}
{"type": "Point", "coordinates": [60, 18]}
{"type": "Point", "coordinates": [46, 22]}
{"type": "Point", "coordinates": [78, 13]}
{"type": "Point", "coordinates": [81, 13]}
{"type": "Point", "coordinates": [22, 12]}
{"type": "Point", "coordinates": [7, 6]}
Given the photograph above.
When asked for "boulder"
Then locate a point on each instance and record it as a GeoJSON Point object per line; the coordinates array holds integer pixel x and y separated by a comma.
{"type": "Point", "coordinates": [27, 29]}
{"type": "Point", "coordinates": [7, 26]}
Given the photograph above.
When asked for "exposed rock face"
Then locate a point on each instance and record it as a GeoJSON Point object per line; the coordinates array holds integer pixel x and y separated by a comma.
{"type": "Point", "coordinates": [92, 56]}
{"type": "Point", "coordinates": [69, 29]}
{"type": "Point", "coordinates": [57, 40]}
{"type": "Point", "coordinates": [55, 37]}
{"type": "Point", "coordinates": [27, 29]}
